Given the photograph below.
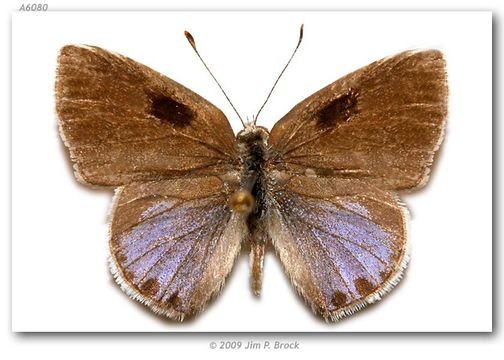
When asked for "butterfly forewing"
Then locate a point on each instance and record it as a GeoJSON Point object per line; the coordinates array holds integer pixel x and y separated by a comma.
{"type": "Point", "coordinates": [173, 242]}
{"type": "Point", "coordinates": [382, 122]}
{"type": "Point", "coordinates": [342, 243]}
{"type": "Point", "coordinates": [124, 122]}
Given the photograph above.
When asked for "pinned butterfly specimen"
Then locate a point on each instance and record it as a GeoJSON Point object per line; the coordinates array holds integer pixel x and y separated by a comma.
{"type": "Point", "coordinates": [320, 187]}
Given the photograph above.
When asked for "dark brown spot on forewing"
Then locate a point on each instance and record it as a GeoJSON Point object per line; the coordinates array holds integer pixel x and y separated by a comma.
{"type": "Point", "coordinates": [339, 299]}
{"type": "Point", "coordinates": [171, 111]}
{"type": "Point", "coordinates": [363, 286]}
{"type": "Point", "coordinates": [339, 110]}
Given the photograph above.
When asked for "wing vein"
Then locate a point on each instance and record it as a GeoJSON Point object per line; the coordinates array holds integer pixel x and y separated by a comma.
{"type": "Point", "coordinates": [348, 251]}
{"type": "Point", "coordinates": [177, 205]}
{"type": "Point", "coordinates": [184, 261]}
{"type": "Point", "coordinates": [336, 269]}
{"type": "Point", "coordinates": [161, 244]}
{"type": "Point", "coordinates": [342, 238]}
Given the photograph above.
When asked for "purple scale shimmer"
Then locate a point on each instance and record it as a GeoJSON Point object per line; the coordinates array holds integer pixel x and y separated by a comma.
{"type": "Point", "coordinates": [158, 208]}
{"type": "Point", "coordinates": [341, 244]}
{"type": "Point", "coordinates": [345, 261]}
{"type": "Point", "coordinates": [165, 226]}
{"type": "Point", "coordinates": [371, 263]}
{"type": "Point", "coordinates": [357, 208]}
{"type": "Point", "coordinates": [171, 244]}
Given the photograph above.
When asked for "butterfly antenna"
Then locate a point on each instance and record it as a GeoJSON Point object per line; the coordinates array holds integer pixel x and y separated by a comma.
{"type": "Point", "coordinates": [190, 38]}
{"type": "Point", "coordinates": [279, 76]}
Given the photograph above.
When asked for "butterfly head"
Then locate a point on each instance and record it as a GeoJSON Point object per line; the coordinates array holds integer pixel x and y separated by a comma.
{"type": "Point", "coordinates": [253, 133]}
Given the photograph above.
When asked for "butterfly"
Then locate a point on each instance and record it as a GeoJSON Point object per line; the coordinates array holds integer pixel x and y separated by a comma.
{"type": "Point", "coordinates": [320, 187]}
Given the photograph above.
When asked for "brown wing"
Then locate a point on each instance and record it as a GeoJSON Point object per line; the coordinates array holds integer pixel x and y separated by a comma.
{"type": "Point", "coordinates": [173, 242]}
{"type": "Point", "coordinates": [382, 122]}
{"type": "Point", "coordinates": [124, 122]}
{"type": "Point", "coordinates": [341, 241]}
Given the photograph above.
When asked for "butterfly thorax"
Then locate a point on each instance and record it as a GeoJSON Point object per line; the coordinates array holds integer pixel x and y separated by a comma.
{"type": "Point", "coordinates": [253, 152]}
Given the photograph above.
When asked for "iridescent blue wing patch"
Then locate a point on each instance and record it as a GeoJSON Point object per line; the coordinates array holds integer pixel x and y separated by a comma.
{"type": "Point", "coordinates": [342, 243]}
{"type": "Point", "coordinates": [173, 243]}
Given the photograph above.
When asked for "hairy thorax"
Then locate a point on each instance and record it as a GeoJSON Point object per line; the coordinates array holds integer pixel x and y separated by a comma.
{"type": "Point", "coordinates": [253, 152]}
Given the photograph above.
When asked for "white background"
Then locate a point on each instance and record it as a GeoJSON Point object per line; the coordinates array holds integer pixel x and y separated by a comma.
{"type": "Point", "coordinates": [60, 280]}
{"type": "Point", "coordinates": [134, 346]}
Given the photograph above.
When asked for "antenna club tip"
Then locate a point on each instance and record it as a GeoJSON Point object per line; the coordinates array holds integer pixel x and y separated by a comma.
{"type": "Point", "coordinates": [190, 38]}
{"type": "Point", "coordinates": [301, 31]}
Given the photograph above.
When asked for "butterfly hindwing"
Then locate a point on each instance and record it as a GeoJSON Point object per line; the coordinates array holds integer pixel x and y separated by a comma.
{"type": "Point", "coordinates": [173, 242]}
{"type": "Point", "coordinates": [383, 122]}
{"type": "Point", "coordinates": [124, 122]}
{"type": "Point", "coordinates": [342, 242]}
